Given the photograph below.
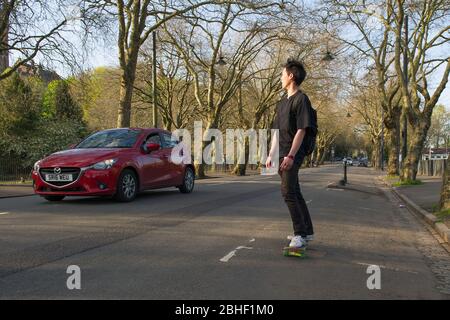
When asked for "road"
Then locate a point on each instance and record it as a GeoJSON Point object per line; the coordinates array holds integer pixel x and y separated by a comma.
{"type": "Point", "coordinates": [168, 245]}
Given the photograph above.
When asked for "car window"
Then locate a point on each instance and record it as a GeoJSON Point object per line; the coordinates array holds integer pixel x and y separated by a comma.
{"type": "Point", "coordinates": [168, 142]}
{"type": "Point", "coordinates": [120, 138]}
{"type": "Point", "coordinates": [153, 138]}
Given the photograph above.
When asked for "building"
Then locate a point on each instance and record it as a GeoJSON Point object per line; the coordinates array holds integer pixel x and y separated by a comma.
{"type": "Point", "coordinates": [435, 153]}
{"type": "Point", "coordinates": [31, 69]}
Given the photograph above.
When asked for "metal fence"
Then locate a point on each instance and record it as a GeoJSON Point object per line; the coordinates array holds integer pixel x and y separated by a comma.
{"type": "Point", "coordinates": [431, 167]}
{"type": "Point", "coordinates": [13, 172]}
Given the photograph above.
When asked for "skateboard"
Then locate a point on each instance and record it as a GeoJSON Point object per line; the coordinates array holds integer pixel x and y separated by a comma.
{"type": "Point", "coordinates": [294, 252]}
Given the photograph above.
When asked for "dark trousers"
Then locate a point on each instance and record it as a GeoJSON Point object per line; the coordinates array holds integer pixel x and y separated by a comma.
{"type": "Point", "coordinates": [290, 189]}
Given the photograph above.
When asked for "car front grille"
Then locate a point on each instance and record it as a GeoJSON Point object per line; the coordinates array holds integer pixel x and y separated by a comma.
{"type": "Point", "coordinates": [75, 172]}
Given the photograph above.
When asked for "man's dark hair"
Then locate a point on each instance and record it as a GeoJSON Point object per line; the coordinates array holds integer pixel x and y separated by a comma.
{"type": "Point", "coordinates": [296, 68]}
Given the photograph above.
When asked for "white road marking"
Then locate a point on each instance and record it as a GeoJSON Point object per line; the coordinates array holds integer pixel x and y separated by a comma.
{"type": "Point", "coordinates": [328, 189]}
{"type": "Point", "coordinates": [388, 268]}
{"type": "Point", "coordinates": [232, 253]}
{"type": "Point", "coordinates": [309, 201]}
{"type": "Point", "coordinates": [3, 213]}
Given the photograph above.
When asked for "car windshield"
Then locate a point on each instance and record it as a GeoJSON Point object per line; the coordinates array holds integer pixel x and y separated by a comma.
{"type": "Point", "coordinates": [122, 138]}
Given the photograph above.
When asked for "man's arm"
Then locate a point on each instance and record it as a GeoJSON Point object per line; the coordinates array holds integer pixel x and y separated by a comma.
{"type": "Point", "coordinates": [296, 143]}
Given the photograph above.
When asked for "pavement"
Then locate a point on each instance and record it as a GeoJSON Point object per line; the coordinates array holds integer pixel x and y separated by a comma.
{"type": "Point", "coordinates": [8, 191]}
{"type": "Point", "coordinates": [223, 241]}
{"type": "Point", "coordinates": [426, 195]}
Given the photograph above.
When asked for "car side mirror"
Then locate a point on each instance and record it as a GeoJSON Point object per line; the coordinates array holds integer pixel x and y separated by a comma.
{"type": "Point", "coordinates": [150, 147]}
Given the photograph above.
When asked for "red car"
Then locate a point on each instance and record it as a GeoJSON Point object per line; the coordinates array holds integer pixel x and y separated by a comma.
{"type": "Point", "coordinates": [115, 162]}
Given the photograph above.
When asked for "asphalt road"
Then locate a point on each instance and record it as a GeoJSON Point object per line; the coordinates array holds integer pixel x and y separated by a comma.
{"type": "Point", "coordinates": [168, 245]}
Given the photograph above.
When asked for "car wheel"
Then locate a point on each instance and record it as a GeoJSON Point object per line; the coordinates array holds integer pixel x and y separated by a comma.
{"type": "Point", "coordinates": [127, 186]}
{"type": "Point", "coordinates": [188, 181]}
{"type": "Point", "coordinates": [54, 198]}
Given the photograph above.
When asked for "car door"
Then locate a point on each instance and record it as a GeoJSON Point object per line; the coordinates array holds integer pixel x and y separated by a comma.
{"type": "Point", "coordinates": [175, 171]}
{"type": "Point", "coordinates": [153, 164]}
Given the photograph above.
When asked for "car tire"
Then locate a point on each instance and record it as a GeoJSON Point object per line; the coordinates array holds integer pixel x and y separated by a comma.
{"type": "Point", "coordinates": [54, 198]}
{"type": "Point", "coordinates": [188, 181]}
{"type": "Point", "coordinates": [127, 186]}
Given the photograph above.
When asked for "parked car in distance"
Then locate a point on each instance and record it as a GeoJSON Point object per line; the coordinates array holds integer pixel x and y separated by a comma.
{"type": "Point", "coordinates": [364, 162]}
{"type": "Point", "coordinates": [115, 162]}
{"type": "Point", "coordinates": [347, 160]}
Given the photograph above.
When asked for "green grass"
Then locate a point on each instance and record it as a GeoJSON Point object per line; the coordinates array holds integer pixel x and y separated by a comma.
{"type": "Point", "coordinates": [435, 208]}
{"type": "Point", "coordinates": [16, 182]}
{"type": "Point", "coordinates": [442, 215]}
{"type": "Point", "coordinates": [391, 177]}
{"type": "Point", "coordinates": [407, 183]}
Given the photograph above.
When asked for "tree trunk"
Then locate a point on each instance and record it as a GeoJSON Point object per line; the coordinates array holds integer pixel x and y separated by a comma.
{"type": "Point", "coordinates": [445, 193]}
{"type": "Point", "coordinates": [322, 158]}
{"type": "Point", "coordinates": [376, 154]}
{"type": "Point", "coordinates": [394, 150]}
{"type": "Point", "coordinates": [126, 94]}
{"type": "Point", "coordinates": [240, 169]}
{"type": "Point", "coordinates": [200, 170]}
{"type": "Point", "coordinates": [416, 145]}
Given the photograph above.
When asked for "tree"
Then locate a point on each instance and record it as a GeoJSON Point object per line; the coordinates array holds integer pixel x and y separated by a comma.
{"type": "Point", "coordinates": [97, 92]}
{"type": "Point", "coordinates": [136, 20]}
{"type": "Point", "coordinates": [429, 31]}
{"type": "Point", "coordinates": [19, 106]}
{"type": "Point", "coordinates": [35, 28]}
{"type": "Point", "coordinates": [176, 100]}
{"type": "Point", "coordinates": [439, 131]}
{"type": "Point", "coordinates": [58, 102]}
{"type": "Point", "coordinates": [372, 48]}
{"type": "Point", "coordinates": [199, 40]}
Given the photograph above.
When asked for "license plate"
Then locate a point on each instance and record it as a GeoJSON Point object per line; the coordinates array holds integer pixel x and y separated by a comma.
{"type": "Point", "coordinates": [58, 177]}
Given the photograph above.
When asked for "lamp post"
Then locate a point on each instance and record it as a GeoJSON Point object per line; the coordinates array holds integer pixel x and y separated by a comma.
{"type": "Point", "coordinates": [154, 92]}
{"type": "Point", "coordinates": [405, 107]}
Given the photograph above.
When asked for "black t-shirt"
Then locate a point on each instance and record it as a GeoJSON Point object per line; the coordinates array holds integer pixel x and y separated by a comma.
{"type": "Point", "coordinates": [292, 114]}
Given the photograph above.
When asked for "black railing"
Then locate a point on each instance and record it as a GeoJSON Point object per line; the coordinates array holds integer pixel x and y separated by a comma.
{"type": "Point", "coordinates": [12, 171]}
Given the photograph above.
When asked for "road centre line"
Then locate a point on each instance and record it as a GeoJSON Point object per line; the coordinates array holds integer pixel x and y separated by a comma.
{"type": "Point", "coordinates": [232, 253]}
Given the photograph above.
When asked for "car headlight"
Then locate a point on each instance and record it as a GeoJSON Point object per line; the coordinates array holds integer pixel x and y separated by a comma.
{"type": "Point", "coordinates": [36, 165]}
{"type": "Point", "coordinates": [104, 165]}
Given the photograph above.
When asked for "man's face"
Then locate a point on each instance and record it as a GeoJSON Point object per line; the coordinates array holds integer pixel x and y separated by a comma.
{"type": "Point", "coordinates": [286, 78]}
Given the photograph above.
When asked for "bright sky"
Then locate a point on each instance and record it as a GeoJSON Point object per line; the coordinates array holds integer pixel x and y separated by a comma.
{"type": "Point", "coordinates": [106, 55]}
{"type": "Point", "coordinates": [109, 57]}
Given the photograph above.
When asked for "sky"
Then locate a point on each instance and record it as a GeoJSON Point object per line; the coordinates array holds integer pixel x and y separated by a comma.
{"type": "Point", "coordinates": [101, 54]}
{"type": "Point", "coordinates": [109, 57]}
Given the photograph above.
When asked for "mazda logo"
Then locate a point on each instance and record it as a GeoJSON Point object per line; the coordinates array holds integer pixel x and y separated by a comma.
{"type": "Point", "coordinates": [57, 170]}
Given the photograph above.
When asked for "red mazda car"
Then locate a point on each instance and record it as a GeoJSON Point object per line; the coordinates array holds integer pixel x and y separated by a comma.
{"type": "Point", "coordinates": [115, 162]}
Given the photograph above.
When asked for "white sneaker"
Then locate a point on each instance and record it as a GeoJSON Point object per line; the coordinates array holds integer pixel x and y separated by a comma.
{"type": "Point", "coordinates": [309, 237]}
{"type": "Point", "coordinates": [297, 242]}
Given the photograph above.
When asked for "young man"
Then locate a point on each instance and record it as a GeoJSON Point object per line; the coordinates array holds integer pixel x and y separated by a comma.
{"type": "Point", "coordinates": [294, 119]}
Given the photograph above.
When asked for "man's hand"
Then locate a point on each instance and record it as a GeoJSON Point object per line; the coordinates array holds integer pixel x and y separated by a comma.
{"type": "Point", "coordinates": [286, 164]}
{"type": "Point", "coordinates": [268, 162]}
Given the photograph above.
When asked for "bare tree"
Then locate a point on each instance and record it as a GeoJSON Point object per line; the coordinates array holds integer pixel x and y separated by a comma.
{"type": "Point", "coordinates": [136, 20]}
{"type": "Point", "coordinates": [35, 28]}
{"type": "Point", "coordinates": [373, 47]}
{"type": "Point", "coordinates": [176, 101]}
{"type": "Point", "coordinates": [430, 30]}
{"type": "Point", "coordinates": [199, 39]}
